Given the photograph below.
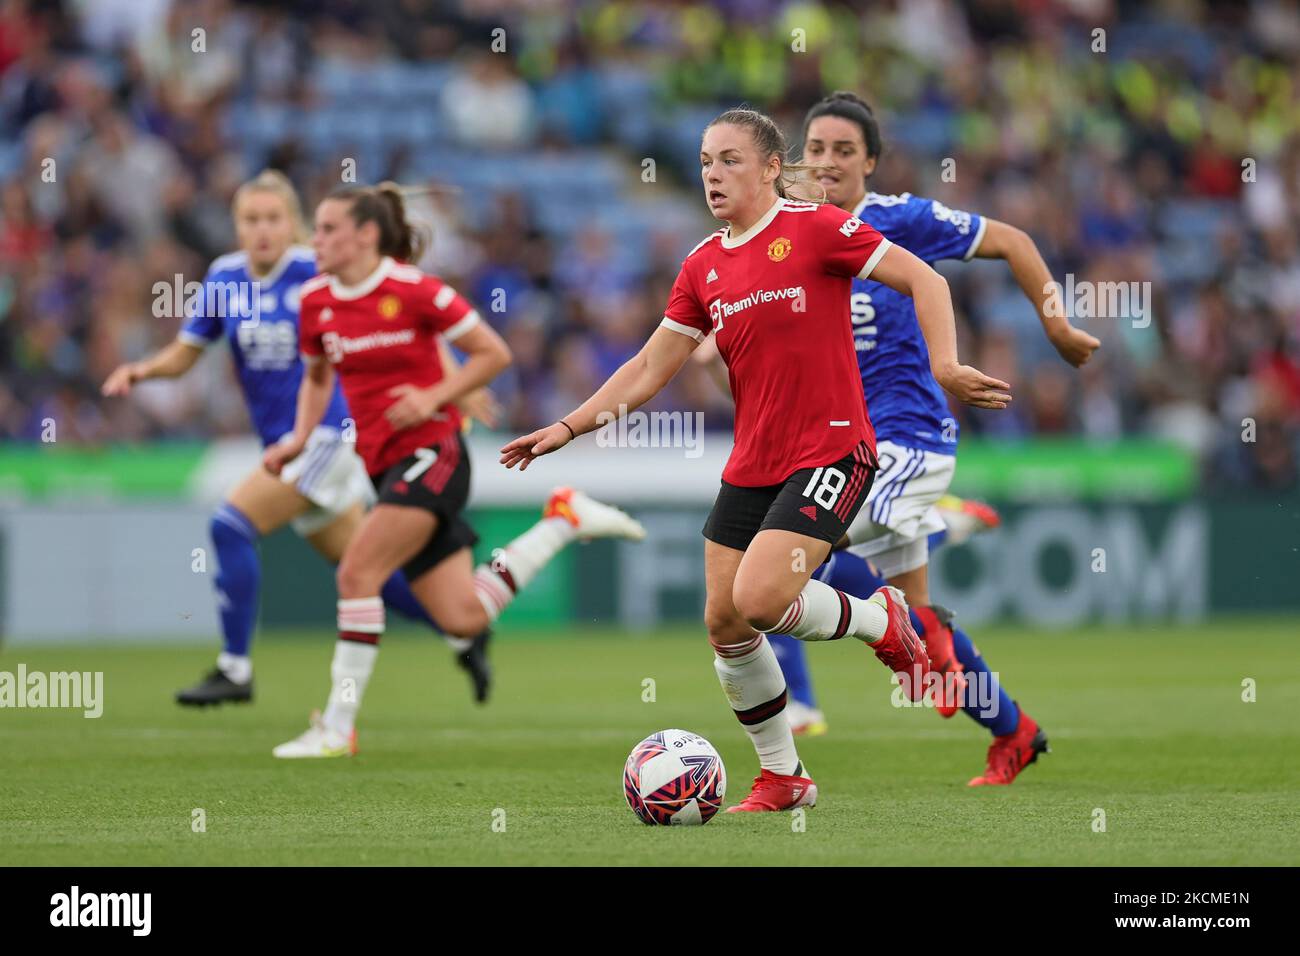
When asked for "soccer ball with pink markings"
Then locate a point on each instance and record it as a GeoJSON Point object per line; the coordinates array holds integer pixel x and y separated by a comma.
{"type": "Point", "coordinates": [674, 778]}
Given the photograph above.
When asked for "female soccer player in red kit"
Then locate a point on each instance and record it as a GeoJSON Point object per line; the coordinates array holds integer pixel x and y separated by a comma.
{"type": "Point", "coordinates": [378, 321]}
{"type": "Point", "coordinates": [773, 287]}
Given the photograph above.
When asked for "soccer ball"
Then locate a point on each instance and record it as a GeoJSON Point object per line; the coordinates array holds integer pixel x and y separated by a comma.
{"type": "Point", "coordinates": [674, 777]}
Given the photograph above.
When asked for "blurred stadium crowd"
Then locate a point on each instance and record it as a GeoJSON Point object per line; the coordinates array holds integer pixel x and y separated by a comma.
{"type": "Point", "coordinates": [1169, 157]}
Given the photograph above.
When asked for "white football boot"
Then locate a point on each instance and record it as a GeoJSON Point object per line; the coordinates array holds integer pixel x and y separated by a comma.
{"type": "Point", "coordinates": [318, 741]}
{"type": "Point", "coordinates": [965, 517]}
{"type": "Point", "coordinates": [591, 518]}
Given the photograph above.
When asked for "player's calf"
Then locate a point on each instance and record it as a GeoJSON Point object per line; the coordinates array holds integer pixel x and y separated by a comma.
{"type": "Point", "coordinates": [822, 613]}
{"type": "Point", "coordinates": [755, 689]}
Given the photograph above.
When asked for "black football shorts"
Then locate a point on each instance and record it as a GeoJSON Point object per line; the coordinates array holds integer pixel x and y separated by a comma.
{"type": "Point", "coordinates": [437, 480]}
{"type": "Point", "coordinates": [819, 502]}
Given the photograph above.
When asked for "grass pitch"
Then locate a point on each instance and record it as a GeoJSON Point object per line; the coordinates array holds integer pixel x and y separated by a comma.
{"type": "Point", "coordinates": [1147, 725]}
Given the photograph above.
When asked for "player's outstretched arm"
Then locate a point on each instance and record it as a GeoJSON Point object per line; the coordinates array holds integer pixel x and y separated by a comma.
{"type": "Point", "coordinates": [313, 398]}
{"type": "Point", "coordinates": [171, 361]}
{"type": "Point", "coordinates": [1002, 241]}
{"type": "Point", "coordinates": [641, 378]}
{"type": "Point", "coordinates": [904, 272]}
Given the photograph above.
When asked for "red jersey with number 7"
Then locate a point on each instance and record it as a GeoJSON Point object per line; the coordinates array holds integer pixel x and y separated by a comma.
{"type": "Point", "coordinates": [381, 333]}
{"type": "Point", "coordinates": [776, 299]}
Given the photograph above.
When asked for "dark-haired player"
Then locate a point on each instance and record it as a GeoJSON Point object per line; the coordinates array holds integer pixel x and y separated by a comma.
{"type": "Point", "coordinates": [376, 322]}
{"type": "Point", "coordinates": [916, 435]}
{"type": "Point", "coordinates": [773, 288]}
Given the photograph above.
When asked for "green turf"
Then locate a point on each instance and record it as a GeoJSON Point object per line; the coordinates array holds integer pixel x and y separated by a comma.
{"type": "Point", "coordinates": [1147, 725]}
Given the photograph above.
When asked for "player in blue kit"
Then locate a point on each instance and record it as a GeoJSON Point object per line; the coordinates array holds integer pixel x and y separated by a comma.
{"type": "Point", "coordinates": [916, 434]}
{"type": "Point", "coordinates": [250, 298]}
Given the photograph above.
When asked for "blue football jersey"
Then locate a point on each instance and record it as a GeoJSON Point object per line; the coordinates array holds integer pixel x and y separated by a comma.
{"type": "Point", "coordinates": [259, 317]}
{"type": "Point", "coordinates": [904, 401]}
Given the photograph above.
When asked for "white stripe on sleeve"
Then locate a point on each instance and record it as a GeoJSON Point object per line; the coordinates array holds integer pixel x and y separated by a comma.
{"type": "Point", "coordinates": [875, 258]}
{"type": "Point", "coordinates": [470, 320]}
{"type": "Point", "coordinates": [676, 326]}
{"type": "Point", "coordinates": [975, 243]}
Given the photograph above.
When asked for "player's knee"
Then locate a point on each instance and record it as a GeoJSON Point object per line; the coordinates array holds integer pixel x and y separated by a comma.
{"type": "Point", "coordinates": [355, 580]}
{"type": "Point", "coordinates": [763, 618]}
{"type": "Point", "coordinates": [716, 618]}
{"type": "Point", "coordinates": [759, 607]}
{"type": "Point", "coordinates": [463, 618]}
{"type": "Point", "coordinates": [724, 625]}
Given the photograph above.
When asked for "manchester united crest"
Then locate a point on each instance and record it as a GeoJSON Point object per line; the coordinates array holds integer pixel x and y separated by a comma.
{"type": "Point", "coordinates": [779, 249]}
{"type": "Point", "coordinates": [390, 306]}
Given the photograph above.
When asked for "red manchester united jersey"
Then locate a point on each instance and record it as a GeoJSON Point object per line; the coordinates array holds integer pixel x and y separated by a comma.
{"type": "Point", "coordinates": [379, 334]}
{"type": "Point", "coordinates": [777, 300]}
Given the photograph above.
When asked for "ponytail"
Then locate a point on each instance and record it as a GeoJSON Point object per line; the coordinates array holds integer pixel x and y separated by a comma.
{"type": "Point", "coordinates": [407, 242]}
{"type": "Point", "coordinates": [384, 206]}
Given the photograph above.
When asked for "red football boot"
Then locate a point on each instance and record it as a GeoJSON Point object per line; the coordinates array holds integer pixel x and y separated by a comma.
{"type": "Point", "coordinates": [900, 649]}
{"type": "Point", "coordinates": [1012, 753]}
{"type": "Point", "coordinates": [937, 634]}
{"type": "Point", "coordinates": [774, 791]}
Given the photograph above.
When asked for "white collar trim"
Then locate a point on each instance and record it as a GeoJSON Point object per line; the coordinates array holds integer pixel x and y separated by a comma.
{"type": "Point", "coordinates": [730, 242]}
{"type": "Point", "coordinates": [366, 286]}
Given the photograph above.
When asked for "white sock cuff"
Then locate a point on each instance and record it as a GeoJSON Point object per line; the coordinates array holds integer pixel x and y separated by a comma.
{"type": "Point", "coordinates": [790, 619]}
{"type": "Point", "coordinates": [352, 604]}
{"type": "Point", "coordinates": [531, 551]}
{"type": "Point", "coordinates": [363, 615]}
{"type": "Point", "coordinates": [739, 653]}
{"type": "Point", "coordinates": [493, 593]}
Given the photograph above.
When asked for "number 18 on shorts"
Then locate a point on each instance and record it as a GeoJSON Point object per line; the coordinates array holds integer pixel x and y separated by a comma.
{"type": "Point", "coordinates": [820, 502]}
